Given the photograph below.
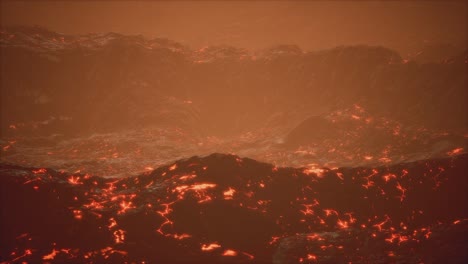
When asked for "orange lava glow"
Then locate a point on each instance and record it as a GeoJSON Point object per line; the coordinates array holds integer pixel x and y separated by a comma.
{"type": "Point", "coordinates": [210, 247]}
{"type": "Point", "coordinates": [455, 152]}
{"type": "Point", "coordinates": [229, 193]}
{"type": "Point", "coordinates": [230, 253]}
{"type": "Point", "coordinates": [74, 180]}
{"type": "Point", "coordinates": [173, 167]}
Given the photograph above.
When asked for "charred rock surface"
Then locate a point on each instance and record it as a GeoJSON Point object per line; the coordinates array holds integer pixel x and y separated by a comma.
{"type": "Point", "coordinates": [226, 209]}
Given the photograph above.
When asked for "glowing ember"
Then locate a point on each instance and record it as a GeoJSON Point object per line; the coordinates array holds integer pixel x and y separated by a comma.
{"type": "Point", "coordinates": [167, 210]}
{"type": "Point", "coordinates": [329, 212]}
{"type": "Point", "coordinates": [230, 253]}
{"type": "Point", "coordinates": [388, 177]}
{"type": "Point", "coordinates": [125, 206]}
{"type": "Point", "coordinates": [314, 170]}
{"type": "Point", "coordinates": [39, 171]}
{"type": "Point", "coordinates": [112, 223]}
{"type": "Point", "coordinates": [402, 190]}
{"type": "Point", "coordinates": [210, 247]}
{"type": "Point", "coordinates": [187, 177]}
{"type": "Point", "coordinates": [274, 240]}
{"type": "Point", "coordinates": [119, 236]}
{"type": "Point", "coordinates": [26, 253]}
{"type": "Point", "coordinates": [181, 236]}
{"type": "Point", "coordinates": [78, 214]}
{"type": "Point", "coordinates": [455, 152]}
{"type": "Point", "coordinates": [342, 224]}
{"type": "Point", "coordinates": [74, 180]}
{"type": "Point", "coordinates": [51, 255]}
{"type": "Point", "coordinates": [228, 194]}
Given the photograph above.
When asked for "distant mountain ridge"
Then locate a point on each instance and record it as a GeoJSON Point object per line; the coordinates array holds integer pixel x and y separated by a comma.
{"type": "Point", "coordinates": [122, 81]}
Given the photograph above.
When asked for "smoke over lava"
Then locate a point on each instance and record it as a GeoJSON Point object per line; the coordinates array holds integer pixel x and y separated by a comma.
{"type": "Point", "coordinates": [232, 148]}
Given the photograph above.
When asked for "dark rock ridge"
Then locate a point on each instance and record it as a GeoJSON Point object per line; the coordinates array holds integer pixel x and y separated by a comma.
{"type": "Point", "coordinates": [358, 135]}
{"type": "Point", "coordinates": [56, 83]}
{"type": "Point", "coordinates": [226, 209]}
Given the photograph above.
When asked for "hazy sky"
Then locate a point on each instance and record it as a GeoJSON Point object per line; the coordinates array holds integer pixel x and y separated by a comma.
{"type": "Point", "coordinates": [258, 24]}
